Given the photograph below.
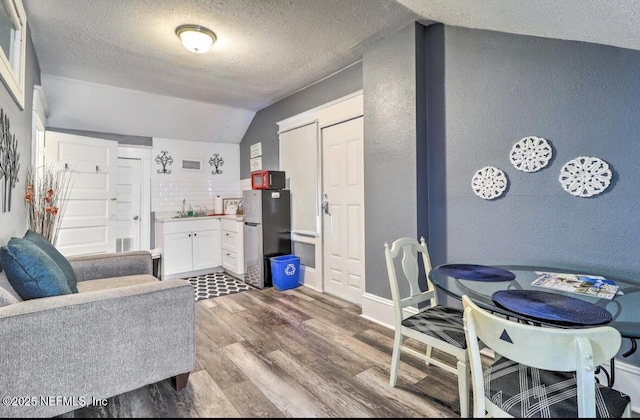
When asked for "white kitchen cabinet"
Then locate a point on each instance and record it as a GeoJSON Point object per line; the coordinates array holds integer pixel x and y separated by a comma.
{"type": "Point", "coordinates": [206, 249]}
{"type": "Point", "coordinates": [189, 247]}
{"type": "Point", "coordinates": [233, 246]}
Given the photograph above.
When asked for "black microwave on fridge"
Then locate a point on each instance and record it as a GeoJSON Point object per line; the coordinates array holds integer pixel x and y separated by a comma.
{"type": "Point", "coordinates": [267, 180]}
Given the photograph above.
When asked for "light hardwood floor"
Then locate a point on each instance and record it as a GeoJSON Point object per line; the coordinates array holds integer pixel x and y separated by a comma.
{"type": "Point", "coordinates": [295, 353]}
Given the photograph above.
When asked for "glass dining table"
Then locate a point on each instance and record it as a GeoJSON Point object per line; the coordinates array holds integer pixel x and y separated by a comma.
{"type": "Point", "coordinates": [485, 285]}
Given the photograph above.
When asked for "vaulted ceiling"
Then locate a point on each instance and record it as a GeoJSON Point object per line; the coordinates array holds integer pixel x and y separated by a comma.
{"type": "Point", "coordinates": [268, 49]}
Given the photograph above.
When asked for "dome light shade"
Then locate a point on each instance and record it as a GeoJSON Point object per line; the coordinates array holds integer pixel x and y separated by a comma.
{"type": "Point", "coordinates": [196, 38]}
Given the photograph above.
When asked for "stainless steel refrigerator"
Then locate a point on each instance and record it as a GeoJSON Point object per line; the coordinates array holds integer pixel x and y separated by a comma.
{"type": "Point", "coordinates": [267, 232]}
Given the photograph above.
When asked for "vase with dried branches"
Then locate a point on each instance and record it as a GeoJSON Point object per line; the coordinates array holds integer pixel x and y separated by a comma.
{"type": "Point", "coordinates": [47, 196]}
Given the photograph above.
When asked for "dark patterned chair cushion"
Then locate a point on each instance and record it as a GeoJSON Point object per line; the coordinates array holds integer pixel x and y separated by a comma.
{"type": "Point", "coordinates": [441, 322]}
{"type": "Point", "coordinates": [523, 391]}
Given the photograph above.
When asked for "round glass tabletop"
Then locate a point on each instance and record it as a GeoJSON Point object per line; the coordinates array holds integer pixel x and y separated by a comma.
{"type": "Point", "coordinates": [623, 307]}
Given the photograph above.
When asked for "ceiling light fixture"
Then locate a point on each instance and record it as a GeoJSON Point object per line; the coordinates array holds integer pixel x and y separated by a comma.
{"type": "Point", "coordinates": [196, 38]}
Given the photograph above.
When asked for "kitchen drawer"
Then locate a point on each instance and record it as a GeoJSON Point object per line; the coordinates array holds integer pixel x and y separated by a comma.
{"type": "Point", "coordinates": [230, 241]}
{"type": "Point", "coordinates": [231, 225]}
{"type": "Point", "coordinates": [230, 261]}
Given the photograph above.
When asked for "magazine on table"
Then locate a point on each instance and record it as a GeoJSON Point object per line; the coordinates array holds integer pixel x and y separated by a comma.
{"type": "Point", "coordinates": [582, 284]}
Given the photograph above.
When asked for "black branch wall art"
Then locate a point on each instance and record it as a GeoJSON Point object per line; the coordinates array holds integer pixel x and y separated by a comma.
{"type": "Point", "coordinates": [9, 161]}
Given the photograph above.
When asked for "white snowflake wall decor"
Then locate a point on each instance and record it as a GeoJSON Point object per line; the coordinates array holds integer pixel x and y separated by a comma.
{"type": "Point", "coordinates": [531, 154]}
{"type": "Point", "coordinates": [489, 183]}
{"type": "Point", "coordinates": [585, 176]}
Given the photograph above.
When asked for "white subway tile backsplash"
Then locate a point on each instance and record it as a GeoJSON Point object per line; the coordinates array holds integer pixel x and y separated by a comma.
{"type": "Point", "coordinates": [168, 196]}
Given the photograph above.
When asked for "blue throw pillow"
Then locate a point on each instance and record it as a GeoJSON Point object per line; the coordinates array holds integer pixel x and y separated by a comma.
{"type": "Point", "coordinates": [31, 272]}
{"type": "Point", "coordinates": [56, 256]}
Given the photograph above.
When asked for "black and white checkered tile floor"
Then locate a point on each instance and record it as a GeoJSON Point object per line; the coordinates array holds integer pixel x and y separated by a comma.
{"type": "Point", "coordinates": [216, 284]}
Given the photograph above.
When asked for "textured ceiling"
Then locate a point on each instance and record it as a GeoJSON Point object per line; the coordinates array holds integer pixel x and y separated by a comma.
{"type": "Point", "coordinates": [268, 49]}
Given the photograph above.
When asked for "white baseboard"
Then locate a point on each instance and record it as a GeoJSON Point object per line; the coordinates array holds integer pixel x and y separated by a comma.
{"type": "Point", "coordinates": [191, 273]}
{"type": "Point", "coordinates": [309, 278]}
{"type": "Point", "coordinates": [380, 310]}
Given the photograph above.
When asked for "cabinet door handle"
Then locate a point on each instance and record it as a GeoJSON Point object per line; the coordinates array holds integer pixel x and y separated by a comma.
{"type": "Point", "coordinates": [189, 235]}
{"type": "Point", "coordinates": [195, 234]}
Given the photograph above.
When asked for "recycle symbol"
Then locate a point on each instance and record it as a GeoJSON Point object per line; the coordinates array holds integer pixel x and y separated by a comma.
{"type": "Point", "coordinates": [290, 270]}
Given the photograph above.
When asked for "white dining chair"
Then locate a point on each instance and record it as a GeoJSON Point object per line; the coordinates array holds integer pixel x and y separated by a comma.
{"type": "Point", "coordinates": [436, 326]}
{"type": "Point", "coordinates": [541, 371]}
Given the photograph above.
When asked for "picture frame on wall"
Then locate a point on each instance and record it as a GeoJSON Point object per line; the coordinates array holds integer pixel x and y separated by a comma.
{"type": "Point", "coordinates": [256, 150]}
{"type": "Point", "coordinates": [256, 164]}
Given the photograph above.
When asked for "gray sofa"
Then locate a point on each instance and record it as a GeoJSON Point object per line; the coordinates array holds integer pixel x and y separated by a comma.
{"type": "Point", "coordinates": [124, 329]}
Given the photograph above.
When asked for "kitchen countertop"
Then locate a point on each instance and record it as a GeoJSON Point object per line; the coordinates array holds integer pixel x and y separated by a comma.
{"type": "Point", "coordinates": [172, 218]}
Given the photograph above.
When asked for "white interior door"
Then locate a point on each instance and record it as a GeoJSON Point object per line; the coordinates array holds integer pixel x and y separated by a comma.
{"type": "Point", "coordinates": [343, 215]}
{"type": "Point", "coordinates": [88, 225]}
{"type": "Point", "coordinates": [128, 220]}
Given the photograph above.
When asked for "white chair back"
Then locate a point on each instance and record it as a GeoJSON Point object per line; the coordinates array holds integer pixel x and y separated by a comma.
{"type": "Point", "coordinates": [555, 349]}
{"type": "Point", "coordinates": [410, 248]}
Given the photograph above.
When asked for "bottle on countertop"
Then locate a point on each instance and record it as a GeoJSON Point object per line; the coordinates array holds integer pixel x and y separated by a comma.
{"type": "Point", "coordinates": [189, 211]}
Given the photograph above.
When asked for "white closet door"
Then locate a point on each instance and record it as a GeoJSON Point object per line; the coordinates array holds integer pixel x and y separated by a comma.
{"type": "Point", "coordinates": [88, 225]}
{"type": "Point", "coordinates": [343, 188]}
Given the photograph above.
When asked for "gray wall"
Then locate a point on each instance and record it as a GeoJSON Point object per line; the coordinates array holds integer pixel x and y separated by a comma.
{"type": "Point", "coordinates": [264, 129]}
{"type": "Point", "coordinates": [498, 88]}
{"type": "Point", "coordinates": [13, 223]}
{"type": "Point", "coordinates": [392, 100]}
{"type": "Point", "coordinates": [583, 98]}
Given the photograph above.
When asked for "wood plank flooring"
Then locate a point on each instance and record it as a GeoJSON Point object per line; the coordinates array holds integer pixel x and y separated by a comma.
{"type": "Point", "coordinates": [295, 353]}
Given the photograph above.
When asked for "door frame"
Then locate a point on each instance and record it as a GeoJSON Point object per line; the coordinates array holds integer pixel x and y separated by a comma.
{"type": "Point", "coordinates": [335, 112]}
{"type": "Point", "coordinates": [143, 153]}
{"type": "Point", "coordinates": [40, 113]}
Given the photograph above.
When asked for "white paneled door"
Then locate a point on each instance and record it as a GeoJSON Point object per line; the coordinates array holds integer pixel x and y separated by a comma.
{"type": "Point", "coordinates": [343, 209]}
{"type": "Point", "coordinates": [89, 221]}
{"type": "Point", "coordinates": [128, 204]}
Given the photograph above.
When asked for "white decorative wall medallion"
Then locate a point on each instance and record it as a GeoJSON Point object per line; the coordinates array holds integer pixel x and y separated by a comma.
{"type": "Point", "coordinates": [585, 176]}
{"type": "Point", "coordinates": [531, 154]}
{"type": "Point", "coordinates": [489, 183]}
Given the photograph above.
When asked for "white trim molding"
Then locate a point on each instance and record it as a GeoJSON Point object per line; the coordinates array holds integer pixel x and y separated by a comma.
{"type": "Point", "coordinates": [40, 104]}
{"type": "Point", "coordinates": [12, 66]}
{"type": "Point", "coordinates": [339, 110]}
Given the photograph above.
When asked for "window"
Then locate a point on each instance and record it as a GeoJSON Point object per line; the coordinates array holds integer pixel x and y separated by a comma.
{"type": "Point", "coordinates": [13, 30]}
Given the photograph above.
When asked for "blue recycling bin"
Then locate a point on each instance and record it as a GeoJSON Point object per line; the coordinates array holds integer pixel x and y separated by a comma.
{"type": "Point", "coordinates": [285, 271]}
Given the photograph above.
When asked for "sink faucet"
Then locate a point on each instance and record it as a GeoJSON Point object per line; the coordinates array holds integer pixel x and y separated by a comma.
{"type": "Point", "coordinates": [184, 210]}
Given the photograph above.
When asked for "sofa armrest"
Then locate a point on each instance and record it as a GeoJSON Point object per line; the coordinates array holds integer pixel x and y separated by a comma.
{"type": "Point", "coordinates": [95, 344]}
{"type": "Point", "coordinates": [115, 264]}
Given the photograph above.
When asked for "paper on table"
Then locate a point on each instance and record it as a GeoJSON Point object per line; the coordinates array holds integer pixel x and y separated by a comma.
{"type": "Point", "coordinates": [582, 284]}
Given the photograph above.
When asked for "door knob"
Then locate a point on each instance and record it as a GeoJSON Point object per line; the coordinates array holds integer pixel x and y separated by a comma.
{"type": "Point", "coordinates": [325, 207]}
{"type": "Point", "coordinates": [135, 217]}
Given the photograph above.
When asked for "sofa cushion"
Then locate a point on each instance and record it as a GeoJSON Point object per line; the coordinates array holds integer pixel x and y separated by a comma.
{"type": "Point", "coordinates": [55, 255]}
{"type": "Point", "coordinates": [31, 272]}
{"type": "Point", "coordinates": [114, 282]}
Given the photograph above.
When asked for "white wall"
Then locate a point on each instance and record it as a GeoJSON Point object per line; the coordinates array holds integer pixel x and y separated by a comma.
{"type": "Point", "coordinates": [74, 104]}
{"type": "Point", "coordinates": [197, 187]}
